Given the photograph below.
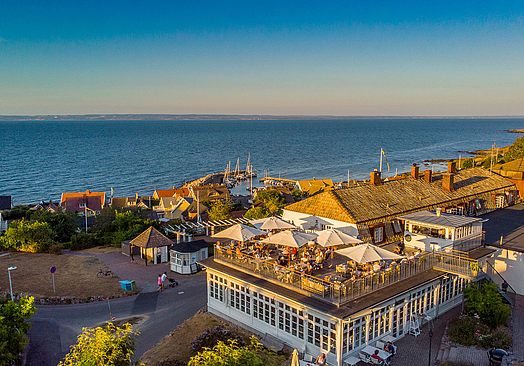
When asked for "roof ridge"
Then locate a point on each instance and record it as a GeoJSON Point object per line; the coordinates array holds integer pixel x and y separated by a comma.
{"type": "Point", "coordinates": [341, 206]}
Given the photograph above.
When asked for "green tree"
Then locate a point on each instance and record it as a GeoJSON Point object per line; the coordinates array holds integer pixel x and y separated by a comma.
{"type": "Point", "coordinates": [487, 303]}
{"type": "Point", "coordinates": [219, 211]}
{"type": "Point", "coordinates": [102, 346]}
{"type": "Point", "coordinates": [468, 163]}
{"type": "Point", "coordinates": [229, 354]}
{"type": "Point", "coordinates": [63, 224]}
{"type": "Point", "coordinates": [27, 236]}
{"type": "Point", "coordinates": [273, 201]}
{"type": "Point", "coordinates": [125, 226]}
{"type": "Point", "coordinates": [516, 151]}
{"type": "Point", "coordinates": [255, 213]}
{"type": "Point", "coordinates": [13, 327]}
{"type": "Point", "coordinates": [16, 213]}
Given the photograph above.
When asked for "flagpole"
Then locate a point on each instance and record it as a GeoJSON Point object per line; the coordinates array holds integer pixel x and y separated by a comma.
{"type": "Point", "coordinates": [380, 170]}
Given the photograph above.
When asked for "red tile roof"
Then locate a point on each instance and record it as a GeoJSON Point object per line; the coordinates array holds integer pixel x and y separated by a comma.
{"type": "Point", "coordinates": [93, 200]}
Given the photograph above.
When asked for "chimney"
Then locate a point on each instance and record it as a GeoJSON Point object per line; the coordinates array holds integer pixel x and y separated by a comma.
{"type": "Point", "coordinates": [447, 181]}
{"type": "Point", "coordinates": [452, 167]}
{"type": "Point", "coordinates": [414, 171]}
{"type": "Point", "coordinates": [428, 175]}
{"type": "Point", "coordinates": [375, 178]}
{"type": "Point", "coordinates": [439, 211]}
{"type": "Point", "coordinates": [87, 191]}
{"type": "Point", "coordinates": [136, 196]}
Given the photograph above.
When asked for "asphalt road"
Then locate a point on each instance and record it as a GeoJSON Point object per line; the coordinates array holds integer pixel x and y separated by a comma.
{"type": "Point", "coordinates": [56, 328]}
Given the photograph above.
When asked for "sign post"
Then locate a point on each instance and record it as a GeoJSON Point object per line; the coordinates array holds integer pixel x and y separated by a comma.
{"type": "Point", "coordinates": [53, 270]}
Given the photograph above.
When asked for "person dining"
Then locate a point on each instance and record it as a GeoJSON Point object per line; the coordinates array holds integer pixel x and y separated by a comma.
{"type": "Point", "coordinates": [376, 356]}
{"type": "Point", "coordinates": [321, 360]}
{"type": "Point", "coordinates": [319, 260]}
{"type": "Point", "coordinates": [376, 267]}
{"type": "Point", "coordinates": [412, 256]}
{"type": "Point", "coordinates": [397, 250]}
{"type": "Point", "coordinates": [309, 268]}
{"type": "Point", "coordinates": [388, 347]}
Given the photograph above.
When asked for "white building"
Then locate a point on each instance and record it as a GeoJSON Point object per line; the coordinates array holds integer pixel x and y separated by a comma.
{"type": "Point", "coordinates": [314, 315]}
{"type": "Point", "coordinates": [430, 231]}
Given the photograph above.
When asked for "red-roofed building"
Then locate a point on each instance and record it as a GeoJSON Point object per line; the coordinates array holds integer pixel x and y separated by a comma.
{"type": "Point", "coordinates": [161, 193]}
{"type": "Point", "coordinates": [92, 202]}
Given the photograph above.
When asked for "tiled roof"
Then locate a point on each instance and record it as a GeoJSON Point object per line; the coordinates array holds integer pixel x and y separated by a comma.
{"type": "Point", "coordinates": [151, 238]}
{"type": "Point", "coordinates": [367, 202]}
{"type": "Point", "coordinates": [211, 193]}
{"type": "Point", "coordinates": [165, 192]}
{"type": "Point", "coordinates": [514, 166]}
{"type": "Point", "coordinates": [93, 200]}
{"type": "Point", "coordinates": [445, 220]}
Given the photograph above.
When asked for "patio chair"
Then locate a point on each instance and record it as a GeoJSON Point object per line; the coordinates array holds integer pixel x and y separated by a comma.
{"type": "Point", "coordinates": [374, 361]}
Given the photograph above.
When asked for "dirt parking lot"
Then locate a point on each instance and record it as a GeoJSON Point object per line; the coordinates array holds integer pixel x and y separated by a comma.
{"type": "Point", "coordinates": [75, 276]}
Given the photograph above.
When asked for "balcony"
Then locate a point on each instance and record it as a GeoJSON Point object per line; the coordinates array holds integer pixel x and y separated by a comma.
{"type": "Point", "coordinates": [340, 292]}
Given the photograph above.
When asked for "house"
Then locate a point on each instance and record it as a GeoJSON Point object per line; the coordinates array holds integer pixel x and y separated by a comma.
{"type": "Point", "coordinates": [314, 186]}
{"type": "Point", "coordinates": [134, 202]}
{"type": "Point", "coordinates": [373, 207]}
{"type": "Point", "coordinates": [172, 208]}
{"type": "Point", "coordinates": [315, 314]}
{"type": "Point", "coordinates": [3, 224]}
{"type": "Point", "coordinates": [46, 207]}
{"type": "Point", "coordinates": [153, 246]}
{"type": "Point", "coordinates": [194, 210]}
{"type": "Point", "coordinates": [211, 193]}
{"type": "Point", "coordinates": [84, 202]}
{"type": "Point", "coordinates": [6, 203]}
{"type": "Point", "coordinates": [514, 171]}
{"type": "Point", "coordinates": [160, 193]}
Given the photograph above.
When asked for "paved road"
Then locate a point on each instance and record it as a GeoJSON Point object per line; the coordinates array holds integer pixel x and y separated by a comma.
{"type": "Point", "coordinates": [55, 328]}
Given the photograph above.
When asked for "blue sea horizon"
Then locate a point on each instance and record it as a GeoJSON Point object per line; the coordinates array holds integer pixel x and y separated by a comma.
{"type": "Point", "coordinates": [42, 159]}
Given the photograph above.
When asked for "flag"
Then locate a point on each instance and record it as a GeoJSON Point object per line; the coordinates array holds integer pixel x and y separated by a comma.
{"type": "Point", "coordinates": [383, 153]}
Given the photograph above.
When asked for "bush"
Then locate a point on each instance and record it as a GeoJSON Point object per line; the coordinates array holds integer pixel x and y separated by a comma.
{"type": "Point", "coordinates": [211, 336]}
{"type": "Point", "coordinates": [487, 303]}
{"type": "Point", "coordinates": [468, 163]}
{"type": "Point", "coordinates": [500, 338]}
{"type": "Point", "coordinates": [466, 330]}
{"type": "Point", "coordinates": [83, 241]}
{"type": "Point", "coordinates": [56, 249]}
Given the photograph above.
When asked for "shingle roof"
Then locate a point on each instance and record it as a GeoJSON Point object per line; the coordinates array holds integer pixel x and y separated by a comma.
{"type": "Point", "coordinates": [151, 238]}
{"type": "Point", "coordinates": [211, 193]}
{"type": "Point", "coordinates": [514, 166]}
{"type": "Point", "coordinates": [445, 220]}
{"type": "Point", "coordinates": [165, 192]}
{"type": "Point", "coordinates": [190, 246]}
{"type": "Point", "coordinates": [93, 200]}
{"type": "Point", "coordinates": [367, 202]}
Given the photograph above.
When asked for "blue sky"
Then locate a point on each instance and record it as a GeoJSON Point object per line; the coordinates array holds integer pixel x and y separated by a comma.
{"type": "Point", "coordinates": [268, 57]}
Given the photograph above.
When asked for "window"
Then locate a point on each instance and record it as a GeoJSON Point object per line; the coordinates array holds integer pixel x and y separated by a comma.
{"type": "Point", "coordinates": [291, 320]}
{"type": "Point", "coordinates": [378, 234]}
{"type": "Point", "coordinates": [321, 333]}
{"type": "Point", "coordinates": [82, 205]}
{"type": "Point", "coordinates": [500, 201]}
{"type": "Point", "coordinates": [216, 287]}
{"type": "Point", "coordinates": [326, 227]}
{"type": "Point", "coordinates": [240, 298]}
{"type": "Point", "coordinates": [264, 309]}
{"type": "Point", "coordinates": [396, 227]}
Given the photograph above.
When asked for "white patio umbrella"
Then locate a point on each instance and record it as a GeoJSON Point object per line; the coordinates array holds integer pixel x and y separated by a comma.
{"type": "Point", "coordinates": [365, 253]}
{"type": "Point", "coordinates": [295, 239]}
{"type": "Point", "coordinates": [239, 232]}
{"type": "Point", "coordinates": [294, 360]}
{"type": "Point", "coordinates": [272, 223]}
{"type": "Point", "coordinates": [334, 237]}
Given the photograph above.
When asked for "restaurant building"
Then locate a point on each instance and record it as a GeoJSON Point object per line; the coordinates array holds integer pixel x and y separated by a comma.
{"type": "Point", "coordinates": [372, 208]}
{"type": "Point", "coordinates": [317, 316]}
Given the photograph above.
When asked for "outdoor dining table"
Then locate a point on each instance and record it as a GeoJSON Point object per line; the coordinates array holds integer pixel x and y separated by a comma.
{"type": "Point", "coordinates": [370, 350]}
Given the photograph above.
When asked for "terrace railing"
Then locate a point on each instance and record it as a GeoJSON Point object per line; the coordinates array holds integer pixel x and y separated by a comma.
{"type": "Point", "coordinates": [341, 292]}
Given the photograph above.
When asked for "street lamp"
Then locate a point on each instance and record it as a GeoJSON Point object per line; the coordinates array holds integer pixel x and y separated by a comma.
{"type": "Point", "coordinates": [430, 333]}
{"type": "Point", "coordinates": [10, 284]}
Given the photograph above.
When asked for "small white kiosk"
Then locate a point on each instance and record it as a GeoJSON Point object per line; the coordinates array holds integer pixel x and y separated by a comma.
{"type": "Point", "coordinates": [185, 255]}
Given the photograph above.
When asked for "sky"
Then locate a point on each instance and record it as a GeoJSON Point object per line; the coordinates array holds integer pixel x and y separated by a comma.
{"type": "Point", "coordinates": [358, 58]}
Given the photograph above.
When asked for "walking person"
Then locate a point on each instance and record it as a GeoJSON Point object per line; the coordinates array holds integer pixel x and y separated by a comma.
{"type": "Point", "coordinates": [159, 283]}
{"type": "Point", "coordinates": [164, 278]}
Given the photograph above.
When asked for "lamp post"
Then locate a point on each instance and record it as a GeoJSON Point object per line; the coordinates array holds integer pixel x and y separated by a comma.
{"type": "Point", "coordinates": [10, 284]}
{"type": "Point", "coordinates": [430, 333]}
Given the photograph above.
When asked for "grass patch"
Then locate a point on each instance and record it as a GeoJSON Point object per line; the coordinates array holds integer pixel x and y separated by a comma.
{"type": "Point", "coordinates": [75, 276]}
{"type": "Point", "coordinates": [177, 345]}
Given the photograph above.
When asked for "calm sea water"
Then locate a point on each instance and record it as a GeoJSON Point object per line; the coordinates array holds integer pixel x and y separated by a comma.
{"type": "Point", "coordinates": [40, 160]}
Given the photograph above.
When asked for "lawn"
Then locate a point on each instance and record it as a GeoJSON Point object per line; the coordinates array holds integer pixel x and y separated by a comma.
{"type": "Point", "coordinates": [177, 345]}
{"type": "Point", "coordinates": [75, 276]}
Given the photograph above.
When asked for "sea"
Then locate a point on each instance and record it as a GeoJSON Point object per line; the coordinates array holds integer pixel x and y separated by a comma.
{"type": "Point", "coordinates": [41, 159]}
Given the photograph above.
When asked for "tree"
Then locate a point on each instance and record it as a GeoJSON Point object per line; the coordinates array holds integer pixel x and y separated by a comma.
{"type": "Point", "coordinates": [486, 302]}
{"type": "Point", "coordinates": [102, 346]}
{"type": "Point", "coordinates": [219, 211]}
{"type": "Point", "coordinates": [273, 201]}
{"type": "Point", "coordinates": [516, 151]}
{"type": "Point", "coordinates": [16, 213]}
{"type": "Point", "coordinates": [255, 213]}
{"type": "Point", "coordinates": [28, 236]}
{"type": "Point", "coordinates": [229, 354]}
{"type": "Point", "coordinates": [63, 224]}
{"type": "Point", "coordinates": [468, 163]}
{"type": "Point", "coordinates": [13, 327]}
{"type": "Point", "coordinates": [126, 225]}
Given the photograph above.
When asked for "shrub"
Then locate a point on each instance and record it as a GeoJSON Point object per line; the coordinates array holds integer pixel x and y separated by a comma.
{"type": "Point", "coordinates": [468, 163]}
{"type": "Point", "coordinates": [487, 303]}
{"type": "Point", "coordinates": [83, 241]}
{"type": "Point", "coordinates": [500, 338]}
{"type": "Point", "coordinates": [56, 249]}
{"type": "Point", "coordinates": [211, 336]}
{"type": "Point", "coordinates": [466, 330]}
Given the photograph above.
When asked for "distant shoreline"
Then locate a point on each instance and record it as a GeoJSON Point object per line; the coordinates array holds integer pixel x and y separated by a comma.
{"type": "Point", "coordinates": [208, 117]}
